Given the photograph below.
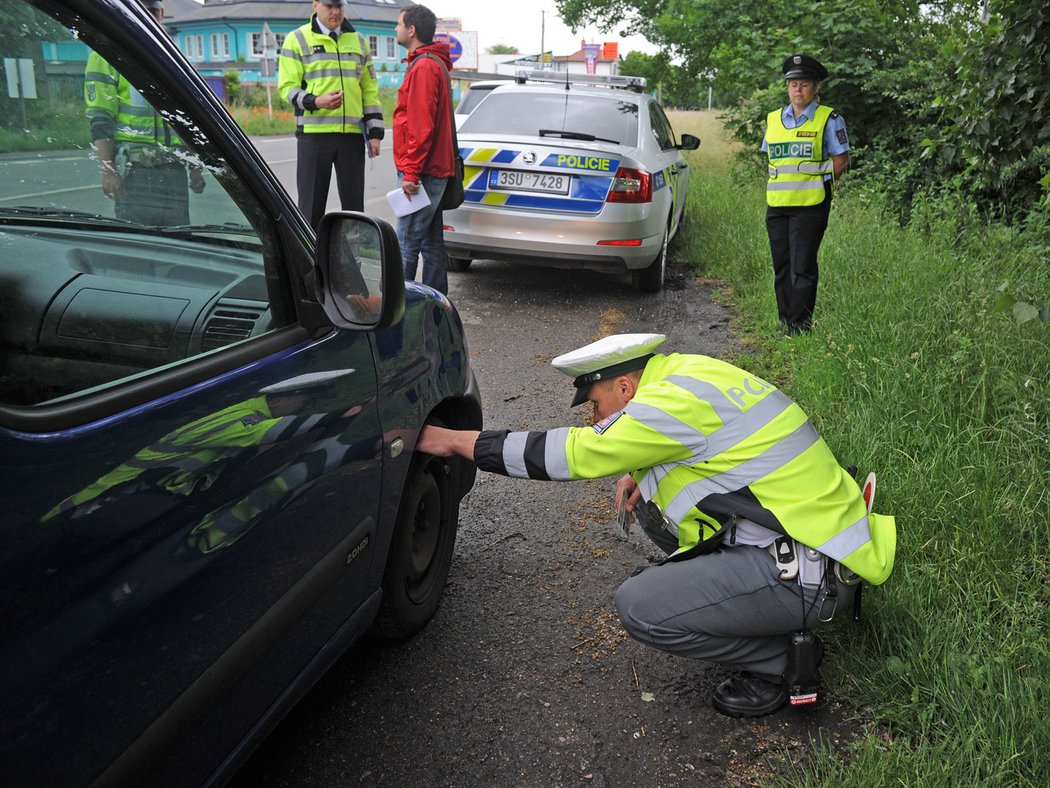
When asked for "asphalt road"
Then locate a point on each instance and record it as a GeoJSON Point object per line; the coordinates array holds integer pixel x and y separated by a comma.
{"type": "Point", "coordinates": [380, 176]}
{"type": "Point", "coordinates": [524, 677]}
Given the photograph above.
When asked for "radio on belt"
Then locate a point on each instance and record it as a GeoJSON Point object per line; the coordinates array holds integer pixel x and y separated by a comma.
{"type": "Point", "coordinates": [801, 677]}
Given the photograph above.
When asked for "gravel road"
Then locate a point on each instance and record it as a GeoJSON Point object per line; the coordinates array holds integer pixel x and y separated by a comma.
{"type": "Point", "coordinates": [524, 677]}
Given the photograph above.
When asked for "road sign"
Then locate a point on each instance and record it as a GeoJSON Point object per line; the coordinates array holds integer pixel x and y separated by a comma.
{"type": "Point", "coordinates": [463, 47]}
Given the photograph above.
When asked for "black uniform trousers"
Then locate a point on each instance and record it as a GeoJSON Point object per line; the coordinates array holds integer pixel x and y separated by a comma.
{"type": "Point", "coordinates": [795, 234]}
{"type": "Point", "coordinates": [157, 195]}
{"type": "Point", "coordinates": [317, 154]}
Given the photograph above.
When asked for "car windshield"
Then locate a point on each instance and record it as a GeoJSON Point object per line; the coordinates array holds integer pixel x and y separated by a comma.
{"type": "Point", "coordinates": [130, 241]}
{"type": "Point", "coordinates": [578, 115]}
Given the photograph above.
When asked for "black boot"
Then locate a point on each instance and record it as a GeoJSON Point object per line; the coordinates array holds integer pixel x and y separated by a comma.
{"type": "Point", "coordinates": [747, 695]}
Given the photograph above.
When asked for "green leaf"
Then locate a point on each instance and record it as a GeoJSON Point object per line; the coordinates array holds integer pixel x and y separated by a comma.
{"type": "Point", "coordinates": [1024, 313]}
{"type": "Point", "coordinates": [1004, 303]}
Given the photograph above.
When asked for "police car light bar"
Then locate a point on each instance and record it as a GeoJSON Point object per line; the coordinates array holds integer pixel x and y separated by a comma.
{"type": "Point", "coordinates": [637, 84]}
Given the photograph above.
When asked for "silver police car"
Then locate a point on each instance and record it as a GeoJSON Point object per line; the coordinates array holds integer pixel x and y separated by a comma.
{"type": "Point", "coordinates": [571, 172]}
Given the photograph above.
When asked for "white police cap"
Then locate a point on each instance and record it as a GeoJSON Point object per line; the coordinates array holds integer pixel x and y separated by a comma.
{"type": "Point", "coordinates": [608, 357]}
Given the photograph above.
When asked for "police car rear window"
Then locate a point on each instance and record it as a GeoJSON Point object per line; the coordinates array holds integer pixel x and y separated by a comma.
{"type": "Point", "coordinates": [513, 112]}
{"type": "Point", "coordinates": [472, 97]}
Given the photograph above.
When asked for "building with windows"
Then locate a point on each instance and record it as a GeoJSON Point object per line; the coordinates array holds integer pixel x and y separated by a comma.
{"type": "Point", "coordinates": [220, 35]}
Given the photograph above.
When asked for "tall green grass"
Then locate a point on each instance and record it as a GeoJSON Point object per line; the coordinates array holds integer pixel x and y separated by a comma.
{"type": "Point", "coordinates": [912, 371]}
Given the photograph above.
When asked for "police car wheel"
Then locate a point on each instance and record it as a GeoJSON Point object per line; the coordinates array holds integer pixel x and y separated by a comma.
{"type": "Point", "coordinates": [651, 278]}
{"type": "Point", "coordinates": [459, 264]}
{"type": "Point", "coordinates": [421, 549]}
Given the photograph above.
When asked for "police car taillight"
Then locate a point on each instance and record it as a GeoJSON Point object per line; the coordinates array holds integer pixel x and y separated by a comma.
{"type": "Point", "coordinates": [631, 186]}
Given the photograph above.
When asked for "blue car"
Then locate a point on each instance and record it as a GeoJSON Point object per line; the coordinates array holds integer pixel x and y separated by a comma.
{"type": "Point", "coordinates": [207, 419]}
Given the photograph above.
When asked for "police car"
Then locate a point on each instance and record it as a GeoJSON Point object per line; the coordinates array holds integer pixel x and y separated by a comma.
{"type": "Point", "coordinates": [207, 419]}
{"type": "Point", "coordinates": [571, 172]}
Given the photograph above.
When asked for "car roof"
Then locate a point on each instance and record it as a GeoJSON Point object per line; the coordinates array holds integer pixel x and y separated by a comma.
{"type": "Point", "coordinates": [598, 91]}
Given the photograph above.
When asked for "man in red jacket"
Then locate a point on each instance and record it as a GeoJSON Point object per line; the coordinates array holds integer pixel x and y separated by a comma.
{"type": "Point", "coordinates": [423, 147]}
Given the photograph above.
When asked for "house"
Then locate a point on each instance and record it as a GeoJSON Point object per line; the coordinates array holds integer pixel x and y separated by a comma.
{"type": "Point", "coordinates": [222, 35]}
{"type": "Point", "coordinates": [605, 61]}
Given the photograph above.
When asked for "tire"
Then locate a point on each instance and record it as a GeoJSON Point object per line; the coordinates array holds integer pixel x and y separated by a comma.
{"type": "Point", "coordinates": [459, 264]}
{"type": "Point", "coordinates": [420, 550]}
{"type": "Point", "coordinates": [651, 278]}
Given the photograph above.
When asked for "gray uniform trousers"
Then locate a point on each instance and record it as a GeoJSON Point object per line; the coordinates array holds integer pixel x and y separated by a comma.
{"type": "Point", "coordinates": [728, 606]}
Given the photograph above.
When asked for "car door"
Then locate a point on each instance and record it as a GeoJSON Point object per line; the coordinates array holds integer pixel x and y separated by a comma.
{"type": "Point", "coordinates": [190, 461]}
{"type": "Point", "coordinates": [671, 176]}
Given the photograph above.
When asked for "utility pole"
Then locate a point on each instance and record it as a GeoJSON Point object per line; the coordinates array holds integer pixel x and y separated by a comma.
{"type": "Point", "coordinates": [543, 31]}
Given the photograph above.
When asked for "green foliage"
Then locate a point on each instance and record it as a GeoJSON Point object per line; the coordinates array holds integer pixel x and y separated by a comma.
{"type": "Point", "coordinates": [674, 86]}
{"type": "Point", "coordinates": [948, 116]}
{"type": "Point", "coordinates": [998, 109]}
{"type": "Point", "coordinates": [233, 84]}
{"type": "Point", "coordinates": [502, 49]}
{"type": "Point", "coordinates": [55, 126]}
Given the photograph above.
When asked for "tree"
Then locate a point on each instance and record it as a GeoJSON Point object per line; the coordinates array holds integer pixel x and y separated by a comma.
{"type": "Point", "coordinates": [998, 109]}
{"type": "Point", "coordinates": [502, 49]}
{"type": "Point", "coordinates": [675, 87]}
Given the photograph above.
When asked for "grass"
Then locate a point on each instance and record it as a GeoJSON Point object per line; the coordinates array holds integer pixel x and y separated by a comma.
{"type": "Point", "coordinates": [61, 125]}
{"type": "Point", "coordinates": [912, 370]}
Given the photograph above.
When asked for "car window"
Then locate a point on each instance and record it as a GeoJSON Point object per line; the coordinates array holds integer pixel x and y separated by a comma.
{"type": "Point", "coordinates": [662, 130]}
{"type": "Point", "coordinates": [128, 243]}
{"type": "Point", "coordinates": [526, 112]}
{"type": "Point", "coordinates": [472, 97]}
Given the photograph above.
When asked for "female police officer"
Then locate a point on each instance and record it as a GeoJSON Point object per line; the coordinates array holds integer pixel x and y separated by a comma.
{"type": "Point", "coordinates": [807, 147]}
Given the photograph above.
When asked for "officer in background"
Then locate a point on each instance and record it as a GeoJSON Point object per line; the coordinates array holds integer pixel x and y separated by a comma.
{"type": "Point", "coordinates": [325, 72]}
{"type": "Point", "coordinates": [730, 478]}
{"type": "Point", "coordinates": [807, 147]}
{"type": "Point", "coordinates": [143, 168]}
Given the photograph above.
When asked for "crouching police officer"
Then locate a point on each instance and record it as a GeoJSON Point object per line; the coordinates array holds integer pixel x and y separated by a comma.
{"type": "Point", "coordinates": [730, 478]}
{"type": "Point", "coordinates": [807, 147]}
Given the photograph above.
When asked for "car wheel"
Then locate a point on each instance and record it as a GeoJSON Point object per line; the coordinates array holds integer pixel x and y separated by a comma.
{"type": "Point", "coordinates": [459, 264]}
{"type": "Point", "coordinates": [651, 278]}
{"type": "Point", "coordinates": [421, 549]}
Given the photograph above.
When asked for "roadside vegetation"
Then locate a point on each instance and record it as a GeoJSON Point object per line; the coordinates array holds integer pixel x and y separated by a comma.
{"type": "Point", "coordinates": [249, 107]}
{"type": "Point", "coordinates": [929, 363]}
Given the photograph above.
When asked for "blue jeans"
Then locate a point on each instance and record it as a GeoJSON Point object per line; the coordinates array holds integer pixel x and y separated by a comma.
{"type": "Point", "coordinates": [423, 231]}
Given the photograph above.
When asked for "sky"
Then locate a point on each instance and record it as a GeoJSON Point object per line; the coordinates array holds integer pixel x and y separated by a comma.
{"type": "Point", "coordinates": [517, 23]}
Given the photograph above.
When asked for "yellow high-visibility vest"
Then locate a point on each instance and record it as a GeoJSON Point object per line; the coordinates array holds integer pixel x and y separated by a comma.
{"type": "Point", "coordinates": [313, 63]}
{"type": "Point", "coordinates": [797, 165]}
{"type": "Point", "coordinates": [709, 442]}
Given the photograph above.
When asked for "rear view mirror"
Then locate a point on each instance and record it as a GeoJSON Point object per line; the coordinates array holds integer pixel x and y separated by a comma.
{"type": "Point", "coordinates": [361, 281]}
{"type": "Point", "coordinates": [689, 142]}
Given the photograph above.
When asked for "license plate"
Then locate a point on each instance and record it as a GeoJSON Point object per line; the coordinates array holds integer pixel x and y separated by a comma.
{"type": "Point", "coordinates": [514, 180]}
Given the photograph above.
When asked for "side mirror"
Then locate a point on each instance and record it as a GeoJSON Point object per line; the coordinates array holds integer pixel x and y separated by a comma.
{"type": "Point", "coordinates": [360, 279]}
{"type": "Point", "coordinates": [689, 142]}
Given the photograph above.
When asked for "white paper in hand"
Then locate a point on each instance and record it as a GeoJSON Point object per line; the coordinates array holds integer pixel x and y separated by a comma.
{"type": "Point", "coordinates": [402, 205]}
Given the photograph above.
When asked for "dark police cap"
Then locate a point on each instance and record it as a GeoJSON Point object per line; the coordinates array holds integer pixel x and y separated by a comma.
{"type": "Point", "coordinates": [804, 66]}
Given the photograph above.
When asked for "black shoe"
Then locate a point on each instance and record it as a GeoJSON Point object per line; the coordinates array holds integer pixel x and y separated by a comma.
{"type": "Point", "coordinates": [748, 696]}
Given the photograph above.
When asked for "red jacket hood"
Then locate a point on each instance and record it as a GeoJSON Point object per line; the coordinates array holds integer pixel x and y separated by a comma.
{"type": "Point", "coordinates": [441, 50]}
